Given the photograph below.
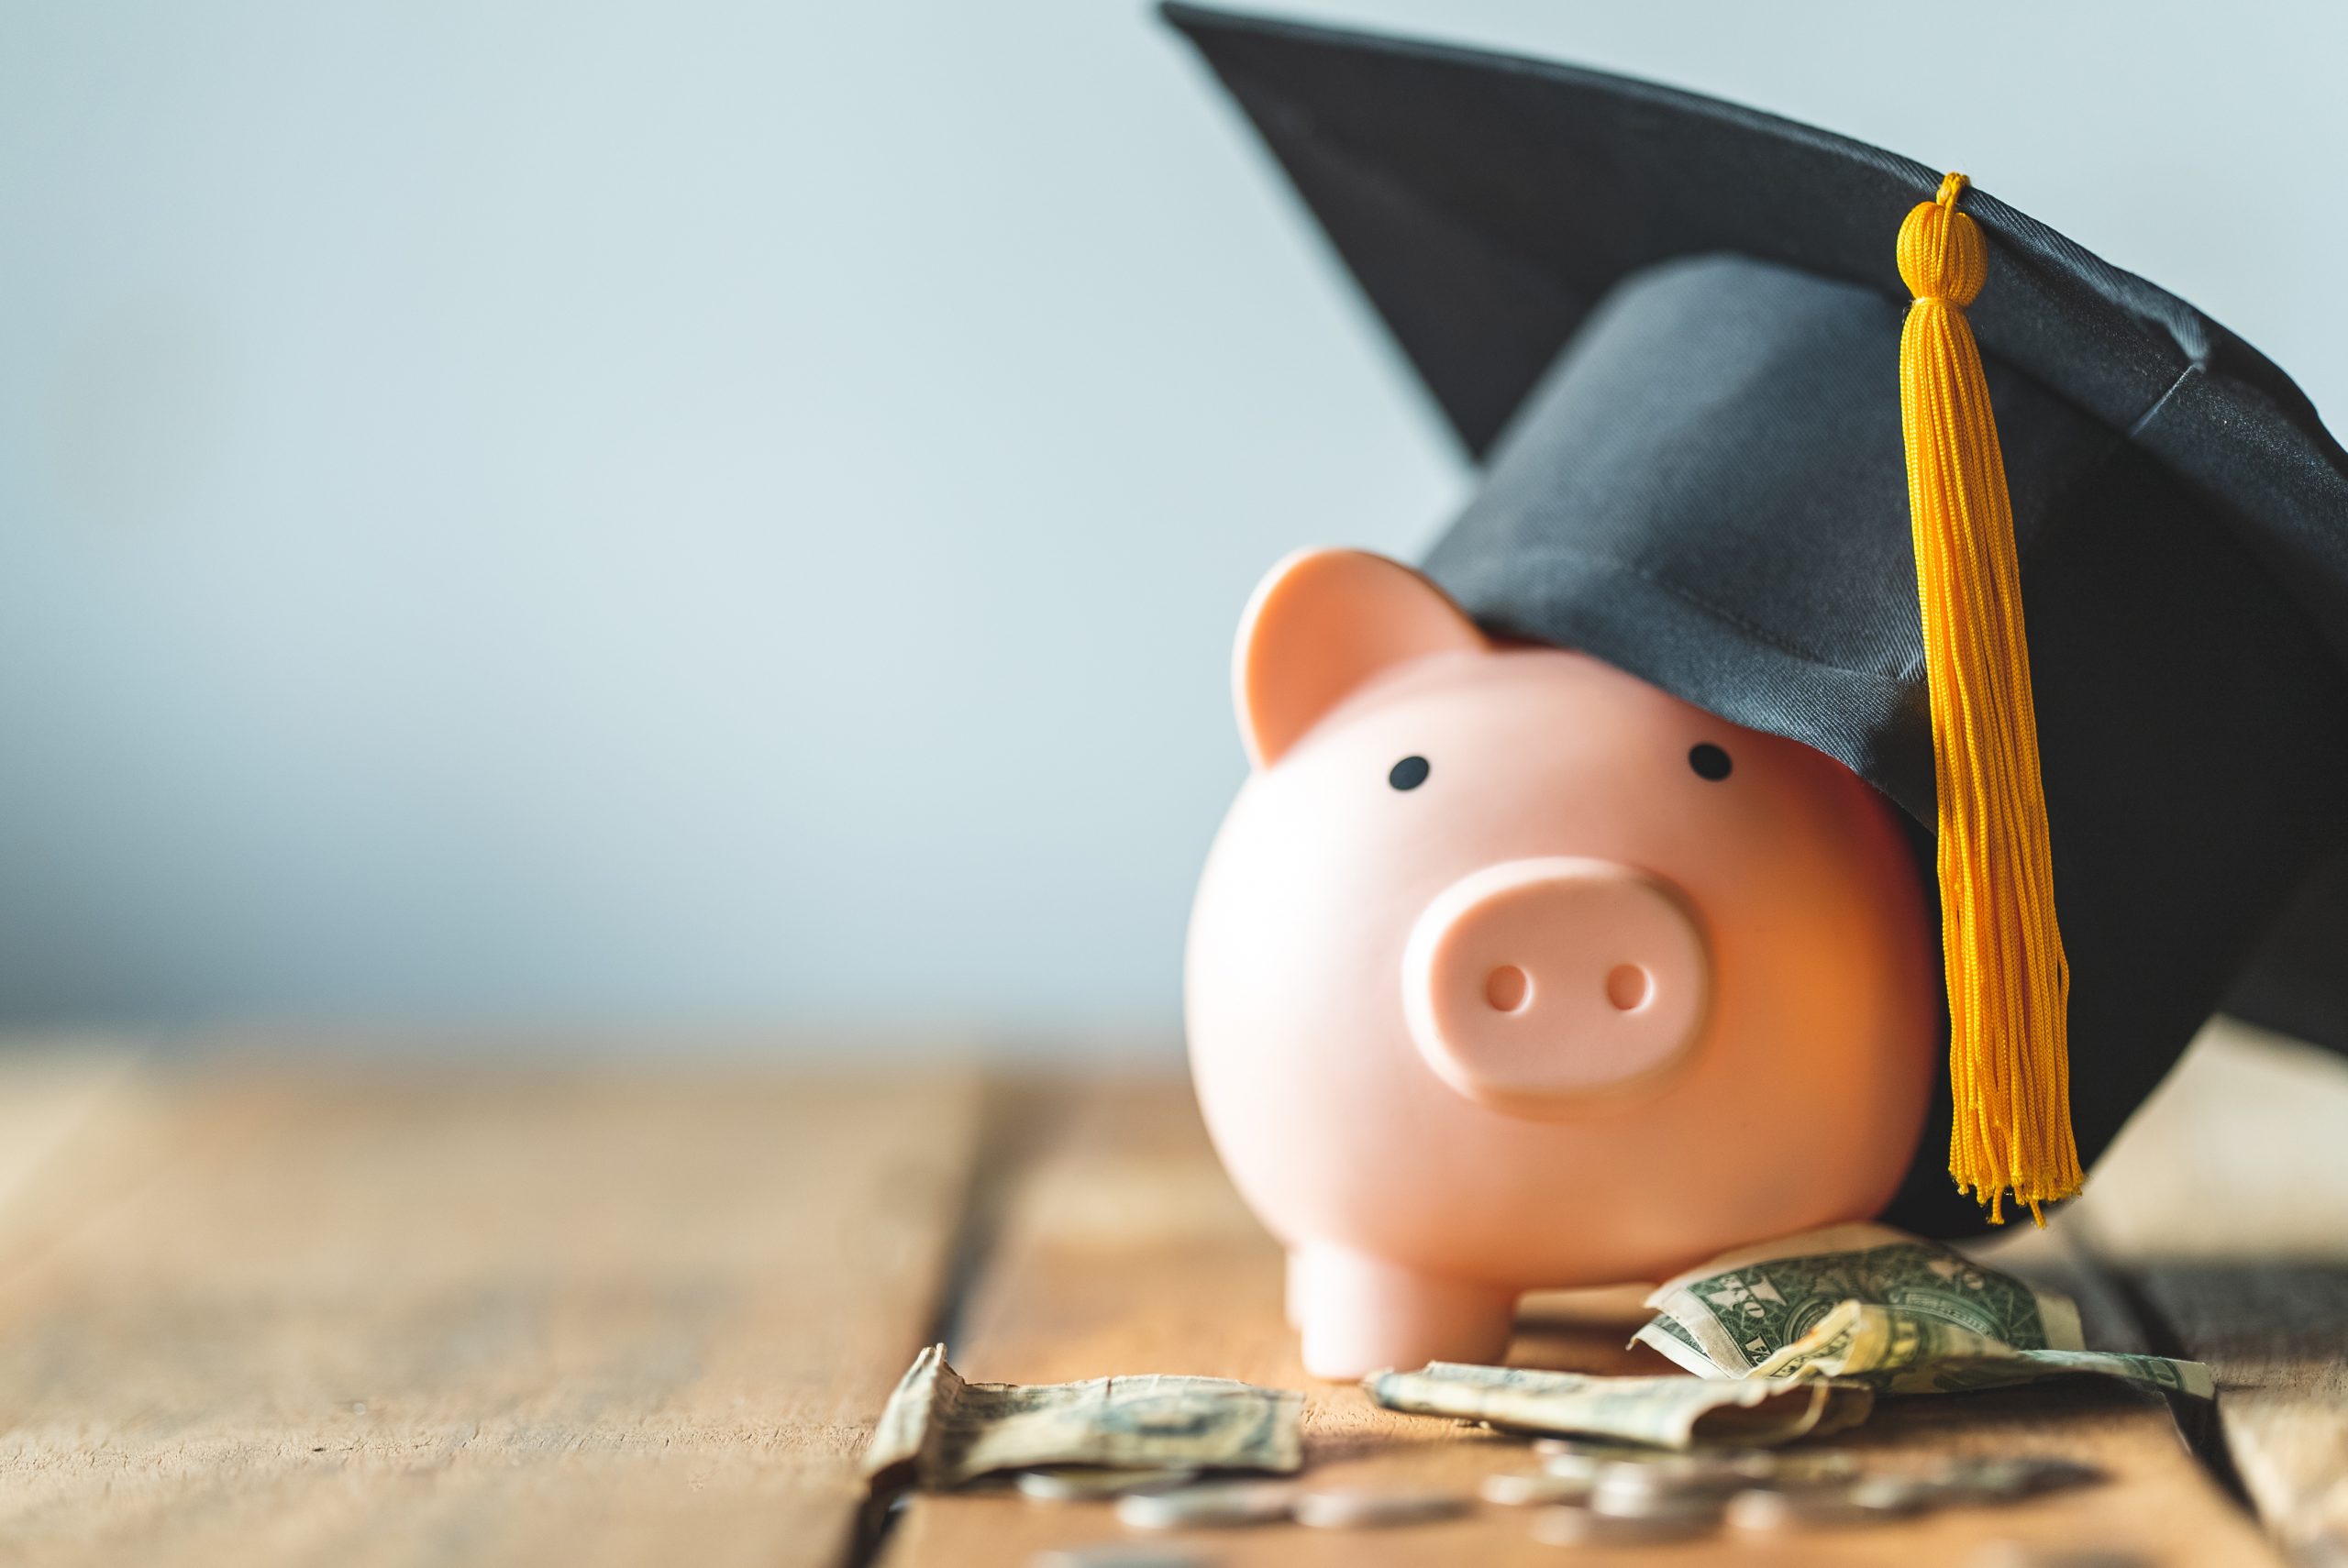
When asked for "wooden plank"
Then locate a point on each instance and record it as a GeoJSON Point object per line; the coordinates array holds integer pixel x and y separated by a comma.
{"type": "Point", "coordinates": [49, 1087]}
{"type": "Point", "coordinates": [256, 1315]}
{"type": "Point", "coordinates": [2223, 1211]}
{"type": "Point", "coordinates": [1122, 1248]}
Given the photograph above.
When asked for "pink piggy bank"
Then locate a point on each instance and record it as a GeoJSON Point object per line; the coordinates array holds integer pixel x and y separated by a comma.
{"type": "Point", "coordinates": [1509, 971]}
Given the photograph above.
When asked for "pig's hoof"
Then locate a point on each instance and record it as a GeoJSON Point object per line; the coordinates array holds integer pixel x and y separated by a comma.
{"type": "Point", "coordinates": [1361, 1315]}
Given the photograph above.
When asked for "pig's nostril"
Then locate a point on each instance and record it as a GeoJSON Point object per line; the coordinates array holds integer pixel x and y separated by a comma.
{"type": "Point", "coordinates": [1628, 987]}
{"type": "Point", "coordinates": [1508, 988]}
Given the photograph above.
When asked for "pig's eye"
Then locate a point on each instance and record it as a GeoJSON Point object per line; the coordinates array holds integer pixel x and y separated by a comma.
{"type": "Point", "coordinates": [1408, 773]}
{"type": "Point", "coordinates": [1709, 761]}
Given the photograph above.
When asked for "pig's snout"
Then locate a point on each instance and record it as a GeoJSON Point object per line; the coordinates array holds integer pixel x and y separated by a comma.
{"type": "Point", "coordinates": [1533, 984]}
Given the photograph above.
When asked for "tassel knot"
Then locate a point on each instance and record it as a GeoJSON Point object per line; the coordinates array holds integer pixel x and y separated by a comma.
{"type": "Point", "coordinates": [1940, 253]}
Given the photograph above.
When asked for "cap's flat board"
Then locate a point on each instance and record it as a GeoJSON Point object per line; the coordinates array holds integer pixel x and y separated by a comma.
{"type": "Point", "coordinates": [266, 1317]}
{"type": "Point", "coordinates": [1119, 1246]}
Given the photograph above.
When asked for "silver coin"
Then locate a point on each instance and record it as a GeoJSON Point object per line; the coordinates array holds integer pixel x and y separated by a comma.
{"type": "Point", "coordinates": [1077, 1484]}
{"type": "Point", "coordinates": [1743, 1461]}
{"type": "Point", "coordinates": [1830, 1486]}
{"type": "Point", "coordinates": [1118, 1556]}
{"type": "Point", "coordinates": [1218, 1504]}
{"type": "Point", "coordinates": [1752, 1465]}
{"type": "Point", "coordinates": [1980, 1482]}
{"type": "Point", "coordinates": [1647, 1501]}
{"type": "Point", "coordinates": [1569, 1526]}
{"type": "Point", "coordinates": [1360, 1508]}
{"type": "Point", "coordinates": [1569, 1466]}
{"type": "Point", "coordinates": [1766, 1511]}
{"type": "Point", "coordinates": [1629, 1483]}
{"type": "Point", "coordinates": [1513, 1490]}
{"type": "Point", "coordinates": [1993, 1480]}
{"type": "Point", "coordinates": [1727, 1468]}
{"type": "Point", "coordinates": [2020, 1477]}
{"type": "Point", "coordinates": [1891, 1496]}
{"type": "Point", "coordinates": [1809, 1467]}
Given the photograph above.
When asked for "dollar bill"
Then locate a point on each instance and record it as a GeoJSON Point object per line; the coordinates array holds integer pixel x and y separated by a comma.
{"type": "Point", "coordinates": [939, 1431]}
{"type": "Point", "coordinates": [1663, 1412]}
{"type": "Point", "coordinates": [1866, 1302]}
{"type": "Point", "coordinates": [1904, 1352]}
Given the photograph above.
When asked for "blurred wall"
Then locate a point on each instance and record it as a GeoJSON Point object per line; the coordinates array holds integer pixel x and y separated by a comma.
{"type": "Point", "coordinates": [726, 514]}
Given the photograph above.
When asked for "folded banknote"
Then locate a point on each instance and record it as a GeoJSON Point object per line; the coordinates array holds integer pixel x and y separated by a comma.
{"type": "Point", "coordinates": [1903, 1315]}
{"type": "Point", "coordinates": [940, 1432]}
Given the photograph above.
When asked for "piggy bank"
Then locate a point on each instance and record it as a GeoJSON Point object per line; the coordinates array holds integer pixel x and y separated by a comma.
{"type": "Point", "coordinates": [1509, 971]}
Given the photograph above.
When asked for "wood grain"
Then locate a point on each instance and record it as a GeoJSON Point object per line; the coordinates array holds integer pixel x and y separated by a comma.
{"type": "Point", "coordinates": [263, 1316]}
{"type": "Point", "coordinates": [1121, 1247]}
{"type": "Point", "coordinates": [258, 1315]}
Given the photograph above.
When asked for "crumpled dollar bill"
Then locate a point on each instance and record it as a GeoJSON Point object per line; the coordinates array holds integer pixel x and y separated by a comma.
{"type": "Point", "coordinates": [1663, 1412]}
{"type": "Point", "coordinates": [1903, 1315]}
{"type": "Point", "coordinates": [938, 1431]}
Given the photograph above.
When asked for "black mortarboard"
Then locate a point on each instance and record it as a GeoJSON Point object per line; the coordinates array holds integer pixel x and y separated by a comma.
{"type": "Point", "coordinates": [1671, 330]}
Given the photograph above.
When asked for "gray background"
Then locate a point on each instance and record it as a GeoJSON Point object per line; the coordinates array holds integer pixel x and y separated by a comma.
{"type": "Point", "coordinates": [533, 517]}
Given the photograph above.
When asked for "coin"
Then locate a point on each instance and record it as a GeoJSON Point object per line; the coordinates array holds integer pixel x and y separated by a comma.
{"type": "Point", "coordinates": [1115, 1555]}
{"type": "Point", "coordinates": [1656, 1501]}
{"type": "Point", "coordinates": [1811, 1465]}
{"type": "Point", "coordinates": [2008, 1480]}
{"type": "Point", "coordinates": [1218, 1503]}
{"type": "Point", "coordinates": [1749, 1463]}
{"type": "Point", "coordinates": [1650, 1488]}
{"type": "Point", "coordinates": [1888, 1496]}
{"type": "Point", "coordinates": [1767, 1511]}
{"type": "Point", "coordinates": [1363, 1509]}
{"type": "Point", "coordinates": [2034, 1475]}
{"type": "Point", "coordinates": [1981, 1482]}
{"type": "Point", "coordinates": [1513, 1490]}
{"type": "Point", "coordinates": [1570, 1525]}
{"type": "Point", "coordinates": [1075, 1483]}
{"type": "Point", "coordinates": [1572, 1466]}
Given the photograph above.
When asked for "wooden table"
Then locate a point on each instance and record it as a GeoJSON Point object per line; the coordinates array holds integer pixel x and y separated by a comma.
{"type": "Point", "coordinates": [261, 1310]}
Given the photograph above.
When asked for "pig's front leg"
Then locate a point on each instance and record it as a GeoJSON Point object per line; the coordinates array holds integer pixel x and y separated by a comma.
{"type": "Point", "coordinates": [1359, 1314]}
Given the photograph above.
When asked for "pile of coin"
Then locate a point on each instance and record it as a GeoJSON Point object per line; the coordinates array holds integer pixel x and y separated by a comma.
{"type": "Point", "coordinates": [1593, 1495]}
{"type": "Point", "coordinates": [1583, 1495]}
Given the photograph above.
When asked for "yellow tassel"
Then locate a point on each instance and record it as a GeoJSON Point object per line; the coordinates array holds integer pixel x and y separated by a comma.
{"type": "Point", "coordinates": [2009, 985]}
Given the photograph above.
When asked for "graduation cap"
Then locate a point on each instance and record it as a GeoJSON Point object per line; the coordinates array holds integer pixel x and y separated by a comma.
{"type": "Point", "coordinates": [1835, 447]}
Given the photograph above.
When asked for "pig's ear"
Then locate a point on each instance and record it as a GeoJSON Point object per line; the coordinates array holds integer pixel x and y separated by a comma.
{"type": "Point", "coordinates": [1321, 622]}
